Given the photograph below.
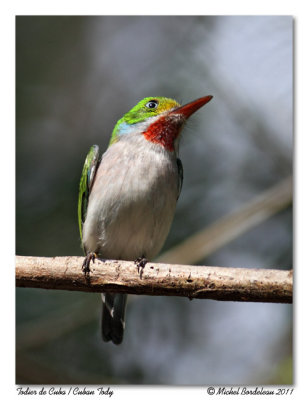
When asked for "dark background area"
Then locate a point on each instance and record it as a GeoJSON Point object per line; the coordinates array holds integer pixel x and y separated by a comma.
{"type": "Point", "coordinates": [75, 77]}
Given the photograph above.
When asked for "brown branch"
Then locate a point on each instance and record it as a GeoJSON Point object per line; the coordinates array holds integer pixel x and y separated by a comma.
{"type": "Point", "coordinates": [218, 283]}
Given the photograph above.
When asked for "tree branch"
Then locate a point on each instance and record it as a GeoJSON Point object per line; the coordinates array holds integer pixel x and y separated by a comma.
{"type": "Point", "coordinates": [227, 228]}
{"type": "Point", "coordinates": [218, 283]}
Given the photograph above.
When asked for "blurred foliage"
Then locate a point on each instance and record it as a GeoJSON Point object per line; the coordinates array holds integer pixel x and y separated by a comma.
{"type": "Point", "coordinates": [75, 77]}
{"type": "Point", "coordinates": [284, 373]}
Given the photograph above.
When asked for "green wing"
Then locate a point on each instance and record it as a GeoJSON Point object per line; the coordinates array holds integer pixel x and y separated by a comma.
{"type": "Point", "coordinates": [86, 182]}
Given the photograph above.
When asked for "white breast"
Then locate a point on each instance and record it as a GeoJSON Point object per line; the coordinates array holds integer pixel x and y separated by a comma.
{"type": "Point", "coordinates": [132, 202]}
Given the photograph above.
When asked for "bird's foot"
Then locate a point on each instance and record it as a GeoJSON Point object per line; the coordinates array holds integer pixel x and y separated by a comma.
{"type": "Point", "coordinates": [86, 262]}
{"type": "Point", "coordinates": [141, 263]}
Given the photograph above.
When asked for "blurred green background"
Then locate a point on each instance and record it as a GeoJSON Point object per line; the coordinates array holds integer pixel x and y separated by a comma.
{"type": "Point", "coordinates": [75, 77]}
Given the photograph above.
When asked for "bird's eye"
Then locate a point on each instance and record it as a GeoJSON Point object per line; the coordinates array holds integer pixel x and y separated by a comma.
{"type": "Point", "coordinates": [152, 104]}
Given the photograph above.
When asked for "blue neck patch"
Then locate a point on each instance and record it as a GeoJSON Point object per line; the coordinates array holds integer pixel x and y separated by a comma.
{"type": "Point", "coordinates": [124, 128]}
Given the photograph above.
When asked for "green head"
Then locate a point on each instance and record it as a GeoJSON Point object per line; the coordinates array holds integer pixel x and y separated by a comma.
{"type": "Point", "coordinates": [159, 119]}
{"type": "Point", "coordinates": [146, 108]}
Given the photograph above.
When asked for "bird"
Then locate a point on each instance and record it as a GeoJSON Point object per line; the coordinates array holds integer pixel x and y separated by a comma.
{"type": "Point", "coordinates": [127, 196]}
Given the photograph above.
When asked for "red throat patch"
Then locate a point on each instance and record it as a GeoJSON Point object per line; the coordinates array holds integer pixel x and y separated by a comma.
{"type": "Point", "coordinates": [164, 131]}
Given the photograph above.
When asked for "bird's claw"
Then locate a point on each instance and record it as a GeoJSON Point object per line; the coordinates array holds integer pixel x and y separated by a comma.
{"type": "Point", "coordinates": [141, 263]}
{"type": "Point", "coordinates": [86, 262]}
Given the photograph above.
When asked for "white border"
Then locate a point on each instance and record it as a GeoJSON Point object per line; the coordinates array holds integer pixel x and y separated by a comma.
{"type": "Point", "coordinates": [235, 7]}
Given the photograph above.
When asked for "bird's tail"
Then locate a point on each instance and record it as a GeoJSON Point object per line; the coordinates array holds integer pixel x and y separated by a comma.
{"type": "Point", "coordinates": [113, 314]}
